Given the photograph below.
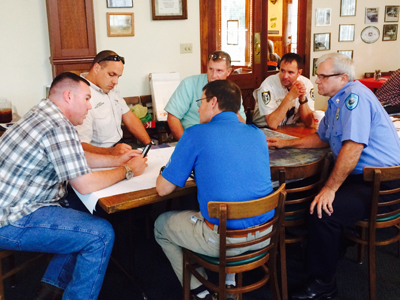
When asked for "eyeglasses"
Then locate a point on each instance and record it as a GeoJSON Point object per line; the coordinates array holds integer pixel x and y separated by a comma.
{"type": "Point", "coordinates": [199, 101]}
{"type": "Point", "coordinates": [113, 58]}
{"type": "Point", "coordinates": [322, 76]}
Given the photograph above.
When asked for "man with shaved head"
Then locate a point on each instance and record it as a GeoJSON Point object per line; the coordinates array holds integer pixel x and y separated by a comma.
{"type": "Point", "coordinates": [40, 154]}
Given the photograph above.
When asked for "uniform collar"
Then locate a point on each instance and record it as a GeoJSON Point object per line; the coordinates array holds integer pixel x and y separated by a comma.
{"type": "Point", "coordinates": [93, 86]}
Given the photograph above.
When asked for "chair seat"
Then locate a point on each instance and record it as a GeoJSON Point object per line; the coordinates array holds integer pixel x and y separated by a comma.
{"type": "Point", "coordinates": [215, 260]}
{"type": "Point", "coordinates": [386, 218]}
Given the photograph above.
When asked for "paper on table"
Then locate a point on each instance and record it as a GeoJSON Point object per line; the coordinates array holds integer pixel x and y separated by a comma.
{"type": "Point", "coordinates": [156, 159]}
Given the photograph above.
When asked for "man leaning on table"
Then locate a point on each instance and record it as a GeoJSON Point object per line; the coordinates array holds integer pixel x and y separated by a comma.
{"type": "Point", "coordinates": [182, 108]}
{"type": "Point", "coordinates": [101, 130]}
{"type": "Point", "coordinates": [360, 134]}
{"type": "Point", "coordinates": [40, 154]}
{"type": "Point", "coordinates": [230, 162]}
{"type": "Point", "coordinates": [286, 97]}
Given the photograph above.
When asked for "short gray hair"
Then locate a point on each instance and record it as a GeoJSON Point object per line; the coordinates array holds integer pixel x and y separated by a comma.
{"type": "Point", "coordinates": [341, 64]}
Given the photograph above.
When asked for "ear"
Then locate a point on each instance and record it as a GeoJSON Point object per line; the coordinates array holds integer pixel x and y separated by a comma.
{"type": "Point", "coordinates": [214, 102]}
{"type": "Point", "coordinates": [67, 96]}
{"type": "Point", "coordinates": [96, 68]}
{"type": "Point", "coordinates": [229, 71]}
{"type": "Point", "coordinates": [300, 71]}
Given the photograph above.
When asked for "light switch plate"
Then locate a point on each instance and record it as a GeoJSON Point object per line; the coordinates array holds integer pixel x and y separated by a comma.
{"type": "Point", "coordinates": [186, 48]}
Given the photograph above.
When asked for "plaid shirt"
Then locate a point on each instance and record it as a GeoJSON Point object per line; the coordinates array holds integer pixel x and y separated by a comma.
{"type": "Point", "coordinates": [39, 154]}
{"type": "Point", "coordinates": [390, 90]}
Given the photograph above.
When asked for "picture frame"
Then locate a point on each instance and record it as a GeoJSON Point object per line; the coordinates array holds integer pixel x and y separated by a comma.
{"type": "Point", "coordinates": [314, 70]}
{"type": "Point", "coordinates": [349, 53]}
{"type": "Point", "coordinates": [169, 9]}
{"type": "Point", "coordinates": [371, 15]}
{"type": "Point", "coordinates": [348, 8]}
{"type": "Point", "coordinates": [390, 32]}
{"type": "Point", "coordinates": [323, 17]}
{"type": "Point", "coordinates": [392, 13]}
{"type": "Point", "coordinates": [232, 32]}
{"type": "Point", "coordinates": [119, 3]}
{"type": "Point", "coordinates": [322, 41]}
{"type": "Point", "coordinates": [346, 32]}
{"type": "Point", "coordinates": [120, 24]}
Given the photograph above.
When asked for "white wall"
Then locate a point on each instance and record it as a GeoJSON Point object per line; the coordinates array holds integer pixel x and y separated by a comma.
{"type": "Point", "coordinates": [367, 57]}
{"type": "Point", "coordinates": [24, 52]}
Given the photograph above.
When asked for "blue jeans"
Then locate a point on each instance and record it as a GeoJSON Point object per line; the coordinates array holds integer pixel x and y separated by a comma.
{"type": "Point", "coordinates": [81, 244]}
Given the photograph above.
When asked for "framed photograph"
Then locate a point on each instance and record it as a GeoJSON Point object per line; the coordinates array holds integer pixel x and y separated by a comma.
{"type": "Point", "coordinates": [371, 15]}
{"type": "Point", "coordinates": [314, 69]}
{"type": "Point", "coordinates": [390, 32]}
{"type": "Point", "coordinates": [323, 17]}
{"type": "Point", "coordinates": [349, 53]}
{"type": "Point", "coordinates": [119, 3]}
{"type": "Point", "coordinates": [347, 8]}
{"type": "Point", "coordinates": [169, 9]}
{"type": "Point", "coordinates": [346, 32]}
{"type": "Point", "coordinates": [392, 13]}
{"type": "Point", "coordinates": [322, 41]}
{"type": "Point", "coordinates": [120, 24]}
{"type": "Point", "coordinates": [233, 32]}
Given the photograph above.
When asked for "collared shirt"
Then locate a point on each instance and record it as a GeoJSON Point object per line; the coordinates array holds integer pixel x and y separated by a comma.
{"type": "Point", "coordinates": [182, 103]}
{"type": "Point", "coordinates": [102, 125]}
{"type": "Point", "coordinates": [355, 114]}
{"type": "Point", "coordinates": [230, 161]}
{"type": "Point", "coordinates": [39, 154]}
{"type": "Point", "coordinates": [271, 94]}
{"type": "Point", "coordinates": [389, 92]}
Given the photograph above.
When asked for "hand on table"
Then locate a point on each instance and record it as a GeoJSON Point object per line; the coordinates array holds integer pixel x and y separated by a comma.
{"type": "Point", "coordinates": [125, 157]}
{"type": "Point", "coordinates": [323, 202]}
{"type": "Point", "coordinates": [120, 149]}
{"type": "Point", "coordinates": [138, 165]}
{"type": "Point", "coordinates": [275, 143]}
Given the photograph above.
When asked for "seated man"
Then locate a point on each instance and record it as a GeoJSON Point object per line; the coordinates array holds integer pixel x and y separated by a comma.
{"type": "Point", "coordinates": [389, 93]}
{"type": "Point", "coordinates": [101, 130]}
{"type": "Point", "coordinates": [182, 108]}
{"type": "Point", "coordinates": [360, 134]}
{"type": "Point", "coordinates": [286, 97]}
{"type": "Point", "coordinates": [39, 155]}
{"type": "Point", "coordinates": [211, 149]}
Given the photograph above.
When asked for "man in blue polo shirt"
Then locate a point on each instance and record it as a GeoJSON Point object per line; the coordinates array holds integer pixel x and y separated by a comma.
{"type": "Point", "coordinates": [360, 134]}
{"type": "Point", "coordinates": [231, 163]}
{"type": "Point", "coordinates": [182, 108]}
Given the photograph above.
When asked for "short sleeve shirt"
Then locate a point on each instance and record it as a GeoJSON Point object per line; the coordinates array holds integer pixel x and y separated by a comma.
{"type": "Point", "coordinates": [271, 94]}
{"type": "Point", "coordinates": [102, 125]}
{"type": "Point", "coordinates": [389, 92]}
{"type": "Point", "coordinates": [40, 153]}
{"type": "Point", "coordinates": [230, 161]}
{"type": "Point", "coordinates": [182, 103]}
{"type": "Point", "coordinates": [355, 114]}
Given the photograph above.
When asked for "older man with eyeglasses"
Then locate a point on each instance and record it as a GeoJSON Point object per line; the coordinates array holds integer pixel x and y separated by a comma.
{"type": "Point", "coordinates": [359, 133]}
{"type": "Point", "coordinates": [182, 108]}
{"type": "Point", "coordinates": [101, 131]}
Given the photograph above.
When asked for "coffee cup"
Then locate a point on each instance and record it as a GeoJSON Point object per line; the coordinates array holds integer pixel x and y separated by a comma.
{"type": "Point", "coordinates": [318, 115]}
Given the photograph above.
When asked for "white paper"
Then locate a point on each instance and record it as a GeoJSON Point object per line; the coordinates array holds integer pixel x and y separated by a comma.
{"type": "Point", "coordinates": [168, 7]}
{"type": "Point", "coordinates": [156, 159]}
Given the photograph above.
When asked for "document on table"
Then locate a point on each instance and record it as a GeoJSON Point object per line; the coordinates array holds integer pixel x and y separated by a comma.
{"type": "Point", "coordinates": [272, 133]}
{"type": "Point", "coordinates": [156, 159]}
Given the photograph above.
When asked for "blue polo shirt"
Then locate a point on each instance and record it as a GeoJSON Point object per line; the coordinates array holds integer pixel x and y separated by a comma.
{"type": "Point", "coordinates": [231, 163]}
{"type": "Point", "coordinates": [182, 103]}
{"type": "Point", "coordinates": [355, 114]}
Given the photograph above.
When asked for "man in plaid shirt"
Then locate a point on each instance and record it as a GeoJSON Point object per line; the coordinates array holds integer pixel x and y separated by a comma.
{"type": "Point", "coordinates": [39, 155]}
{"type": "Point", "coordinates": [389, 93]}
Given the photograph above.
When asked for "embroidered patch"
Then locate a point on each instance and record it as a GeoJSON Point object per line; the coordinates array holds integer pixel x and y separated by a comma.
{"type": "Point", "coordinates": [266, 97]}
{"type": "Point", "coordinates": [312, 95]}
{"type": "Point", "coordinates": [352, 101]}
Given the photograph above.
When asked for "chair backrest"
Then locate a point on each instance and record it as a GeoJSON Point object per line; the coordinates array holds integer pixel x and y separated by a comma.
{"type": "Point", "coordinates": [246, 209]}
{"type": "Point", "coordinates": [313, 177]}
{"type": "Point", "coordinates": [377, 176]}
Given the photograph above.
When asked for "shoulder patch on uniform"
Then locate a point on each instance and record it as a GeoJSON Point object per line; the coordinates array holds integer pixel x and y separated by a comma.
{"type": "Point", "coordinates": [351, 101]}
{"type": "Point", "coordinates": [266, 97]}
{"type": "Point", "coordinates": [312, 95]}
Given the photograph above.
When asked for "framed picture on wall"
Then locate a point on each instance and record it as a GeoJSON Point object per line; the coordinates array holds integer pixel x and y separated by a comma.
{"type": "Point", "coordinates": [169, 9]}
{"type": "Point", "coordinates": [120, 24]}
{"type": "Point", "coordinates": [346, 32]}
{"type": "Point", "coordinates": [349, 53]}
{"type": "Point", "coordinates": [323, 17]}
{"type": "Point", "coordinates": [347, 8]}
{"type": "Point", "coordinates": [371, 15]}
{"type": "Point", "coordinates": [392, 13]}
{"type": "Point", "coordinates": [314, 69]}
{"type": "Point", "coordinates": [322, 41]}
{"type": "Point", "coordinates": [119, 3]}
{"type": "Point", "coordinates": [390, 32]}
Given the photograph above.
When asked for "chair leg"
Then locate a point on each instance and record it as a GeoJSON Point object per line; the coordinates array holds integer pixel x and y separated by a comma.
{"type": "Point", "coordinates": [1, 282]}
{"type": "Point", "coordinates": [274, 277]}
{"type": "Point", "coordinates": [13, 278]}
{"type": "Point", "coordinates": [222, 286]}
{"type": "Point", "coordinates": [372, 270]}
{"type": "Point", "coordinates": [240, 283]}
{"type": "Point", "coordinates": [186, 279]}
{"type": "Point", "coordinates": [282, 254]}
{"type": "Point", "coordinates": [361, 247]}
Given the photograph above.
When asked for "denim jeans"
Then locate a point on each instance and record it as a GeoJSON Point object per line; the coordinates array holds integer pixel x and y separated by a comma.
{"type": "Point", "coordinates": [81, 244]}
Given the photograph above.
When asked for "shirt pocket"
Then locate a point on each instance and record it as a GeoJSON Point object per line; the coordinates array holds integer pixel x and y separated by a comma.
{"type": "Point", "coordinates": [102, 122]}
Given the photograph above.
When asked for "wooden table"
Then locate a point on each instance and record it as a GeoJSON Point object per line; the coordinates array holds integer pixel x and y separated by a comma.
{"type": "Point", "coordinates": [135, 199]}
{"type": "Point", "coordinates": [373, 84]}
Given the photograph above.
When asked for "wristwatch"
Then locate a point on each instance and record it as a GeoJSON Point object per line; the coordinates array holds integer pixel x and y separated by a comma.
{"type": "Point", "coordinates": [129, 173]}
{"type": "Point", "coordinates": [303, 102]}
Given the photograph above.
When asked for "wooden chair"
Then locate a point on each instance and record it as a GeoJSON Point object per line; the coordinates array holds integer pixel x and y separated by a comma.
{"type": "Point", "coordinates": [377, 220]}
{"type": "Point", "coordinates": [297, 203]}
{"type": "Point", "coordinates": [12, 270]}
{"type": "Point", "coordinates": [264, 259]}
